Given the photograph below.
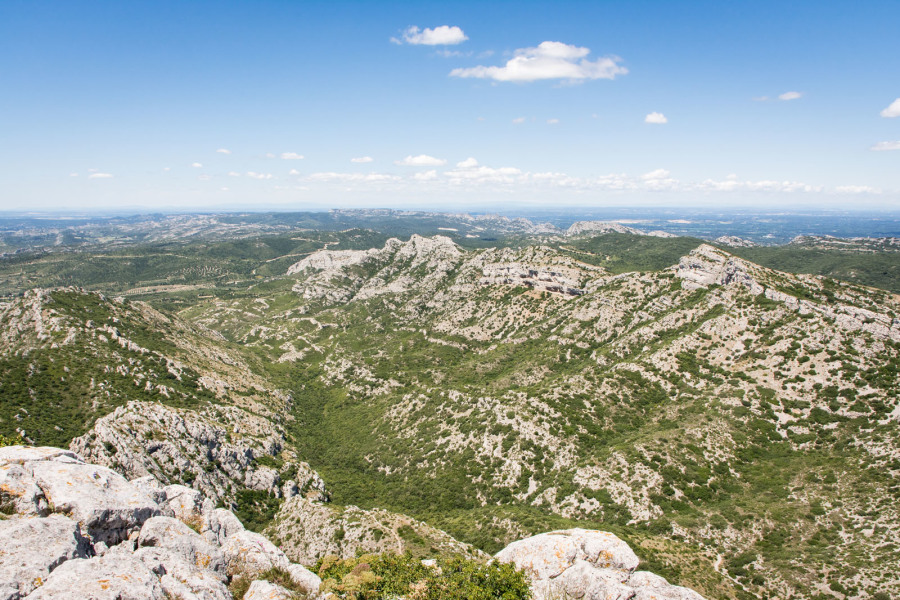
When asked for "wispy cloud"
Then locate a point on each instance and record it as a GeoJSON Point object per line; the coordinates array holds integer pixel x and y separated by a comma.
{"type": "Point", "coordinates": [857, 189]}
{"type": "Point", "coordinates": [196, 165]}
{"type": "Point", "coordinates": [362, 159]}
{"type": "Point", "coordinates": [518, 120]}
{"type": "Point", "coordinates": [790, 96]}
{"type": "Point", "coordinates": [549, 60]}
{"type": "Point", "coordinates": [423, 160]}
{"type": "Point", "coordinates": [656, 118]}
{"type": "Point", "coordinates": [882, 146]}
{"type": "Point", "coordinates": [444, 35]}
{"type": "Point", "coordinates": [351, 177]}
{"type": "Point", "coordinates": [291, 156]}
{"type": "Point", "coordinates": [100, 176]}
{"type": "Point", "coordinates": [254, 175]}
{"type": "Point", "coordinates": [223, 151]}
{"type": "Point", "coordinates": [552, 121]}
{"type": "Point", "coordinates": [893, 110]}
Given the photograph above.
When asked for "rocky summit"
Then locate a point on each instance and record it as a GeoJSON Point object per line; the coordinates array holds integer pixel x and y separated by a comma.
{"type": "Point", "coordinates": [73, 530]}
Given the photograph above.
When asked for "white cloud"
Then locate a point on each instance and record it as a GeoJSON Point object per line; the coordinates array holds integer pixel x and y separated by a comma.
{"type": "Point", "coordinates": [293, 172]}
{"type": "Point", "coordinates": [370, 177]}
{"type": "Point", "coordinates": [519, 120]}
{"type": "Point", "coordinates": [362, 159]}
{"type": "Point", "coordinates": [204, 177]}
{"type": "Point", "coordinates": [291, 156]}
{"type": "Point", "coordinates": [656, 118]}
{"type": "Point", "coordinates": [73, 174]}
{"type": "Point", "coordinates": [423, 160]}
{"type": "Point", "coordinates": [233, 174]}
{"type": "Point", "coordinates": [552, 121]}
{"type": "Point", "coordinates": [857, 189]}
{"type": "Point", "coordinates": [426, 176]}
{"type": "Point", "coordinates": [444, 35]}
{"type": "Point", "coordinates": [196, 165]}
{"type": "Point", "coordinates": [880, 146]}
{"type": "Point", "coordinates": [549, 60]}
{"type": "Point", "coordinates": [479, 174]}
{"type": "Point", "coordinates": [657, 174]}
{"type": "Point", "coordinates": [254, 175]}
{"type": "Point", "coordinates": [790, 96]}
{"type": "Point", "coordinates": [100, 176]}
{"type": "Point", "coordinates": [223, 151]}
{"type": "Point", "coordinates": [893, 110]}
{"type": "Point", "coordinates": [469, 163]}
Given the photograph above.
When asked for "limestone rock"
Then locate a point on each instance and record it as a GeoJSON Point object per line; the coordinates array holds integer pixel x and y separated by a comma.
{"type": "Point", "coordinates": [305, 578]}
{"type": "Point", "coordinates": [589, 565]}
{"type": "Point", "coordinates": [263, 590]}
{"type": "Point", "coordinates": [219, 524]}
{"type": "Point", "coordinates": [181, 579]}
{"type": "Point", "coordinates": [173, 535]}
{"type": "Point", "coordinates": [107, 505]}
{"type": "Point", "coordinates": [649, 586]}
{"type": "Point", "coordinates": [706, 265]}
{"type": "Point", "coordinates": [247, 553]}
{"type": "Point", "coordinates": [111, 577]}
{"type": "Point", "coordinates": [185, 502]}
{"type": "Point", "coordinates": [31, 548]}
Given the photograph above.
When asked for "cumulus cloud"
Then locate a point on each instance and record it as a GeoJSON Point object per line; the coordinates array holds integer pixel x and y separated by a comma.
{"type": "Point", "coordinates": [100, 176]}
{"type": "Point", "coordinates": [857, 189]}
{"type": "Point", "coordinates": [893, 110]}
{"type": "Point", "coordinates": [549, 60]}
{"type": "Point", "coordinates": [291, 156]}
{"type": "Point", "coordinates": [423, 160]}
{"type": "Point", "coordinates": [519, 120]}
{"type": "Point", "coordinates": [254, 175]}
{"type": "Point", "coordinates": [656, 118]}
{"type": "Point", "coordinates": [233, 174]}
{"type": "Point", "coordinates": [469, 163]}
{"type": "Point", "coordinates": [474, 173]}
{"type": "Point", "coordinates": [362, 159]}
{"type": "Point", "coordinates": [552, 121]}
{"type": "Point", "coordinates": [350, 177]}
{"type": "Point", "coordinates": [657, 174]}
{"type": "Point", "coordinates": [426, 176]}
{"type": "Point", "coordinates": [223, 151]}
{"type": "Point", "coordinates": [196, 165]}
{"type": "Point", "coordinates": [790, 96]}
{"type": "Point", "coordinates": [881, 146]}
{"type": "Point", "coordinates": [444, 35]}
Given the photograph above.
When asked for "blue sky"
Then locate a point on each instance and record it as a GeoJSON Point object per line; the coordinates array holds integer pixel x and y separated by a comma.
{"type": "Point", "coordinates": [298, 105]}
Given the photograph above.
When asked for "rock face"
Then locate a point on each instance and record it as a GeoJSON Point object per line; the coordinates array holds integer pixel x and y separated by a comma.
{"type": "Point", "coordinates": [706, 266]}
{"type": "Point", "coordinates": [588, 564]}
{"type": "Point", "coordinates": [119, 540]}
{"type": "Point", "coordinates": [174, 446]}
{"type": "Point", "coordinates": [600, 227]}
{"type": "Point", "coordinates": [309, 530]}
{"type": "Point", "coordinates": [735, 242]}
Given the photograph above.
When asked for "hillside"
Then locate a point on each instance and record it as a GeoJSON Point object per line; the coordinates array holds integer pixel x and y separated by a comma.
{"type": "Point", "coordinates": [737, 425]}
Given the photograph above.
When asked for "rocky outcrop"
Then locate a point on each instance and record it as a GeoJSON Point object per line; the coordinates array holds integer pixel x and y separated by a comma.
{"type": "Point", "coordinates": [217, 453]}
{"type": "Point", "coordinates": [588, 564]}
{"type": "Point", "coordinates": [735, 242]}
{"type": "Point", "coordinates": [601, 227]}
{"type": "Point", "coordinates": [76, 530]}
{"type": "Point", "coordinates": [706, 265]}
{"type": "Point", "coordinates": [309, 530]}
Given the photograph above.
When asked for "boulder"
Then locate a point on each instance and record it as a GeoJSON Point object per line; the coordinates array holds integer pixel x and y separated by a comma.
{"type": "Point", "coordinates": [180, 578]}
{"type": "Point", "coordinates": [115, 576]}
{"type": "Point", "coordinates": [263, 590]}
{"type": "Point", "coordinates": [588, 565]}
{"type": "Point", "coordinates": [247, 554]}
{"type": "Point", "coordinates": [31, 548]}
{"type": "Point", "coordinates": [649, 586]}
{"type": "Point", "coordinates": [18, 492]}
{"type": "Point", "coordinates": [176, 537]}
{"type": "Point", "coordinates": [547, 555]}
{"type": "Point", "coordinates": [103, 501]}
{"type": "Point", "coordinates": [305, 578]}
{"type": "Point", "coordinates": [219, 524]}
{"type": "Point", "coordinates": [185, 502]}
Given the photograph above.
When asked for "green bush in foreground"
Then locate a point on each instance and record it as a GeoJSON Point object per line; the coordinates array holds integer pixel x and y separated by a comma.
{"type": "Point", "coordinates": [373, 577]}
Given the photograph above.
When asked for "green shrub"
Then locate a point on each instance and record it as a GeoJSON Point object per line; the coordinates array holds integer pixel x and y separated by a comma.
{"type": "Point", "coordinates": [373, 577]}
